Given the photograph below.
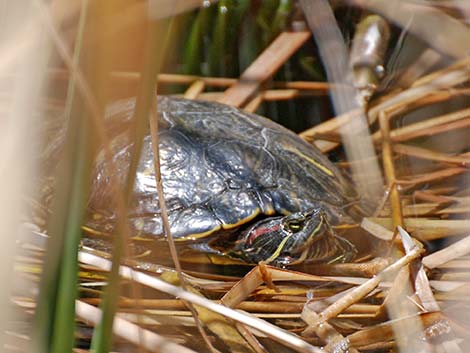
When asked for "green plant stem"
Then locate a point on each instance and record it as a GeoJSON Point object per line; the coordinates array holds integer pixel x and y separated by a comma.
{"type": "Point", "coordinates": [102, 337]}
{"type": "Point", "coordinates": [55, 315]}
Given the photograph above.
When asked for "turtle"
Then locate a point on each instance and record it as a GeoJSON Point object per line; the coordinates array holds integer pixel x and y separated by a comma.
{"type": "Point", "coordinates": [227, 174]}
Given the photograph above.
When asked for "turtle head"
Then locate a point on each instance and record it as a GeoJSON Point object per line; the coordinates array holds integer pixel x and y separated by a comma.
{"type": "Point", "coordinates": [281, 240]}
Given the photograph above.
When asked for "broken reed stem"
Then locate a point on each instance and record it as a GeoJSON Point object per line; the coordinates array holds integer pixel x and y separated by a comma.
{"type": "Point", "coordinates": [327, 333]}
{"type": "Point", "coordinates": [395, 293]}
{"type": "Point", "coordinates": [421, 282]}
{"type": "Point", "coordinates": [243, 288]}
{"type": "Point", "coordinates": [250, 338]}
{"type": "Point", "coordinates": [361, 291]}
{"type": "Point", "coordinates": [453, 251]}
{"type": "Point", "coordinates": [389, 169]}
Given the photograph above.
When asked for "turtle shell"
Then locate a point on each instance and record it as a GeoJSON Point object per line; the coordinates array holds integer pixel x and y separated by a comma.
{"type": "Point", "coordinates": [221, 168]}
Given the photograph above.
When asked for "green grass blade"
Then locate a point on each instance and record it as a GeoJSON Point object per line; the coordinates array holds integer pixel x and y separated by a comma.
{"type": "Point", "coordinates": [194, 51]}
{"type": "Point", "coordinates": [220, 43]}
{"type": "Point", "coordinates": [264, 19]}
{"type": "Point", "coordinates": [55, 314]}
{"type": "Point", "coordinates": [102, 337]}
{"type": "Point", "coordinates": [281, 17]}
{"type": "Point", "coordinates": [249, 45]}
{"type": "Point", "coordinates": [64, 319]}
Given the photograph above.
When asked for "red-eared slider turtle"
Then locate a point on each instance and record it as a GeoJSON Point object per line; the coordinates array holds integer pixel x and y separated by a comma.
{"type": "Point", "coordinates": [227, 171]}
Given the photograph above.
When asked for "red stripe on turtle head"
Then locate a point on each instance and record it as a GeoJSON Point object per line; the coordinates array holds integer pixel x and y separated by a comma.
{"type": "Point", "coordinates": [257, 231]}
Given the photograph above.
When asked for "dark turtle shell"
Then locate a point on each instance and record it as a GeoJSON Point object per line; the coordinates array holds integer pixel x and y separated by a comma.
{"type": "Point", "coordinates": [221, 168]}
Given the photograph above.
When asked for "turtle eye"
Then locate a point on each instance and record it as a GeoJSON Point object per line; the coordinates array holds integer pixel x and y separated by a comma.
{"type": "Point", "coordinates": [295, 225]}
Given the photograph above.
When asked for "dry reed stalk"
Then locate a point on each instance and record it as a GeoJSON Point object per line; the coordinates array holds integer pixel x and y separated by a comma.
{"type": "Point", "coordinates": [263, 95]}
{"type": "Point", "coordinates": [424, 291]}
{"type": "Point", "coordinates": [154, 130]}
{"type": "Point", "coordinates": [425, 196]}
{"type": "Point", "coordinates": [376, 229]}
{"type": "Point", "coordinates": [238, 293]}
{"type": "Point", "coordinates": [460, 65]}
{"type": "Point", "coordinates": [398, 308]}
{"type": "Point", "coordinates": [319, 305]}
{"type": "Point", "coordinates": [457, 265]}
{"type": "Point", "coordinates": [384, 332]}
{"type": "Point", "coordinates": [182, 79]}
{"type": "Point", "coordinates": [345, 98]}
{"type": "Point", "coordinates": [251, 339]}
{"type": "Point", "coordinates": [428, 85]}
{"type": "Point", "coordinates": [195, 89]}
{"type": "Point", "coordinates": [221, 82]}
{"type": "Point", "coordinates": [428, 58]}
{"type": "Point", "coordinates": [389, 170]}
{"type": "Point", "coordinates": [255, 102]}
{"type": "Point", "coordinates": [335, 341]}
{"type": "Point", "coordinates": [431, 176]}
{"type": "Point", "coordinates": [331, 125]}
{"type": "Point", "coordinates": [421, 282]}
{"type": "Point", "coordinates": [463, 210]}
{"type": "Point", "coordinates": [131, 332]}
{"type": "Point", "coordinates": [429, 229]}
{"type": "Point", "coordinates": [264, 67]}
{"type": "Point", "coordinates": [422, 209]}
{"type": "Point", "coordinates": [395, 292]}
{"type": "Point", "coordinates": [444, 286]}
{"type": "Point", "coordinates": [331, 136]}
{"type": "Point", "coordinates": [440, 95]}
{"type": "Point", "coordinates": [434, 130]}
{"type": "Point", "coordinates": [257, 276]}
{"type": "Point", "coordinates": [424, 153]}
{"type": "Point", "coordinates": [361, 291]}
{"type": "Point", "coordinates": [428, 127]}
{"type": "Point", "coordinates": [286, 94]}
{"type": "Point", "coordinates": [168, 306]}
{"type": "Point", "coordinates": [272, 331]}
{"type": "Point", "coordinates": [320, 87]}
{"type": "Point", "coordinates": [361, 269]}
{"type": "Point", "coordinates": [451, 252]}
{"type": "Point", "coordinates": [397, 101]}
